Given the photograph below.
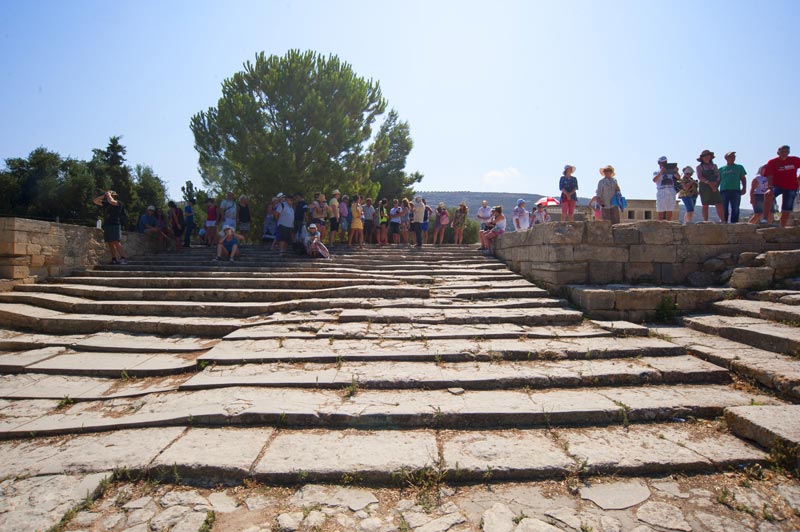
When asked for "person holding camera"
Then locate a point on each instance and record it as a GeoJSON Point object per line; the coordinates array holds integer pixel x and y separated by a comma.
{"type": "Point", "coordinates": [113, 220]}
{"type": "Point", "coordinates": [665, 180]}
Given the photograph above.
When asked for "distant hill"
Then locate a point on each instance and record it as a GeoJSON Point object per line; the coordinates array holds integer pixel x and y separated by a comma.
{"type": "Point", "coordinates": [509, 200]}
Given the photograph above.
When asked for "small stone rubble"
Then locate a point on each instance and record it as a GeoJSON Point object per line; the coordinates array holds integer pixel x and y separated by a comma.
{"type": "Point", "coordinates": [754, 501]}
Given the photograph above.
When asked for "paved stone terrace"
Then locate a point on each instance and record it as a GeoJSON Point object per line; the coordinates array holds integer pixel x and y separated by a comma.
{"type": "Point", "coordinates": [383, 367]}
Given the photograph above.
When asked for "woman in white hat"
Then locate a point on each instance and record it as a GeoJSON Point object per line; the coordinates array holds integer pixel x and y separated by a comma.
{"type": "Point", "coordinates": [521, 217]}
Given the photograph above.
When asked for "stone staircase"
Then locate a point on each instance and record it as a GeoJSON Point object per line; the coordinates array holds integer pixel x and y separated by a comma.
{"type": "Point", "coordinates": [369, 367]}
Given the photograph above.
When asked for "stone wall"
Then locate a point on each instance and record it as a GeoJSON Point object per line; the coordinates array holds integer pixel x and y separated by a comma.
{"type": "Point", "coordinates": [665, 253]}
{"type": "Point", "coordinates": [32, 248]}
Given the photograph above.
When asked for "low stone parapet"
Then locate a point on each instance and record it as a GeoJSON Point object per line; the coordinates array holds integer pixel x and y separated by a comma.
{"type": "Point", "coordinates": [558, 254]}
{"type": "Point", "coordinates": [33, 248]}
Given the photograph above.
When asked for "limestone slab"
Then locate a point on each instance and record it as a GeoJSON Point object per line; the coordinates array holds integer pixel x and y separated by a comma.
{"type": "Point", "coordinates": [133, 449]}
{"type": "Point", "coordinates": [755, 332]}
{"type": "Point", "coordinates": [297, 455]}
{"type": "Point", "coordinates": [504, 456]}
{"type": "Point", "coordinates": [113, 364]}
{"type": "Point", "coordinates": [215, 455]}
{"type": "Point", "coordinates": [766, 424]}
{"type": "Point", "coordinates": [354, 499]}
{"type": "Point", "coordinates": [616, 495]}
{"type": "Point", "coordinates": [18, 361]}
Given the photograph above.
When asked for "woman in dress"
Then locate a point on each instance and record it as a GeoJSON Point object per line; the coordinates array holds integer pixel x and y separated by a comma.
{"type": "Point", "coordinates": [708, 175]}
{"type": "Point", "coordinates": [459, 223]}
{"type": "Point", "coordinates": [356, 223]}
{"type": "Point", "coordinates": [442, 221]}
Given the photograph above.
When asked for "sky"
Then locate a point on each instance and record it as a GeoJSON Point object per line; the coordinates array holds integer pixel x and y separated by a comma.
{"type": "Point", "coordinates": [499, 94]}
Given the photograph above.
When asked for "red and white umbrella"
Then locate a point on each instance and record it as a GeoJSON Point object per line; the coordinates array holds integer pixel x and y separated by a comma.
{"type": "Point", "coordinates": [548, 201]}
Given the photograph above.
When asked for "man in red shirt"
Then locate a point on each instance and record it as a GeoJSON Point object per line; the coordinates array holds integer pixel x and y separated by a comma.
{"type": "Point", "coordinates": [781, 174]}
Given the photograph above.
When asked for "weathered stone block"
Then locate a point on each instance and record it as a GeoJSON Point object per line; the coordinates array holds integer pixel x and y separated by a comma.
{"type": "Point", "coordinates": [562, 233]}
{"type": "Point", "coordinates": [14, 272]}
{"type": "Point", "coordinates": [13, 248]}
{"type": "Point", "coordinates": [626, 234]}
{"type": "Point", "coordinates": [644, 298]}
{"type": "Point", "coordinates": [783, 260]}
{"type": "Point", "coordinates": [705, 233]}
{"type": "Point", "coordinates": [592, 298]}
{"type": "Point", "coordinates": [690, 300]}
{"type": "Point", "coordinates": [31, 226]}
{"type": "Point", "coordinates": [703, 252]}
{"type": "Point", "coordinates": [606, 272]}
{"type": "Point", "coordinates": [656, 232]}
{"type": "Point", "coordinates": [556, 253]}
{"type": "Point", "coordinates": [639, 272]}
{"type": "Point", "coordinates": [652, 253]}
{"type": "Point", "coordinates": [569, 274]}
{"type": "Point", "coordinates": [37, 261]}
{"type": "Point", "coordinates": [779, 235]}
{"type": "Point", "coordinates": [744, 234]}
{"type": "Point", "coordinates": [601, 253]}
{"type": "Point", "coordinates": [752, 277]}
{"type": "Point", "coordinates": [598, 233]}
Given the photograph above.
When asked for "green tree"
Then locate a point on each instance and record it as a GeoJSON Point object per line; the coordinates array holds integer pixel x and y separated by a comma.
{"type": "Point", "coordinates": [390, 151]}
{"type": "Point", "coordinates": [297, 122]}
{"type": "Point", "coordinates": [76, 191]}
{"type": "Point", "coordinates": [149, 190]}
{"type": "Point", "coordinates": [110, 171]}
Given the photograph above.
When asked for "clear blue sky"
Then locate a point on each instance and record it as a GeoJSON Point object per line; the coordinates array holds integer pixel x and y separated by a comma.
{"type": "Point", "coordinates": [499, 94]}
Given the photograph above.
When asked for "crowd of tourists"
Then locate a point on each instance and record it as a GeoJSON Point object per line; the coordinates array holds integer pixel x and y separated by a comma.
{"type": "Point", "coordinates": [291, 222]}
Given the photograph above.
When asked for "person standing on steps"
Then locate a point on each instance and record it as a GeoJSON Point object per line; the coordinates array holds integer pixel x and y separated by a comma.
{"type": "Point", "coordinates": [665, 180]}
{"type": "Point", "coordinates": [418, 217]}
{"type": "Point", "coordinates": [484, 214]}
{"type": "Point", "coordinates": [228, 209]}
{"type": "Point", "coordinates": [113, 219]}
{"type": "Point", "coordinates": [369, 221]}
{"type": "Point", "coordinates": [356, 223]}
{"type": "Point", "coordinates": [395, 217]}
{"type": "Point", "coordinates": [732, 186]}
{"type": "Point", "coordinates": [425, 219]}
{"type": "Point", "coordinates": [568, 184]}
{"type": "Point", "coordinates": [300, 214]}
{"type": "Point", "coordinates": [688, 193]}
{"type": "Point", "coordinates": [176, 224]}
{"type": "Point", "coordinates": [333, 217]}
{"type": "Point", "coordinates": [319, 213]}
{"type": "Point", "coordinates": [607, 188]}
{"type": "Point", "coordinates": [521, 217]}
{"type": "Point", "coordinates": [243, 219]}
{"type": "Point", "coordinates": [285, 218]}
{"type": "Point", "coordinates": [188, 216]}
{"type": "Point", "coordinates": [708, 175]}
{"type": "Point", "coordinates": [211, 222]}
{"type": "Point", "coordinates": [782, 179]}
{"type": "Point", "coordinates": [760, 200]}
{"type": "Point", "coordinates": [459, 223]}
{"type": "Point", "coordinates": [442, 221]}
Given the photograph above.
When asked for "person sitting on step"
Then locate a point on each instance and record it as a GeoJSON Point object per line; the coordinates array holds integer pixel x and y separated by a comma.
{"type": "Point", "coordinates": [314, 246]}
{"type": "Point", "coordinates": [229, 244]}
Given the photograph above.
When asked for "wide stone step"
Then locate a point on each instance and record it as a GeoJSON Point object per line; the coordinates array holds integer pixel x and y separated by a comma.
{"type": "Point", "coordinates": [122, 342]}
{"type": "Point", "coordinates": [278, 274]}
{"type": "Point", "coordinates": [755, 332]}
{"type": "Point", "coordinates": [777, 372]}
{"type": "Point", "coordinates": [230, 295]}
{"type": "Point", "coordinates": [63, 361]}
{"type": "Point", "coordinates": [774, 427]}
{"type": "Point", "coordinates": [759, 309]}
{"type": "Point", "coordinates": [238, 268]}
{"type": "Point", "coordinates": [73, 388]}
{"type": "Point", "coordinates": [379, 265]}
{"type": "Point", "coordinates": [50, 321]}
{"type": "Point", "coordinates": [587, 343]}
{"type": "Point", "coordinates": [490, 293]}
{"type": "Point", "coordinates": [787, 297]}
{"type": "Point", "coordinates": [401, 409]}
{"type": "Point", "coordinates": [453, 316]}
{"type": "Point", "coordinates": [472, 376]}
{"type": "Point", "coordinates": [298, 456]}
{"type": "Point", "coordinates": [241, 283]}
{"type": "Point", "coordinates": [402, 331]}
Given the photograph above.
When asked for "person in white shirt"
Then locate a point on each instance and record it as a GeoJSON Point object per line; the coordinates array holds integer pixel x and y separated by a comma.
{"type": "Point", "coordinates": [522, 218]}
{"type": "Point", "coordinates": [541, 216]}
{"type": "Point", "coordinates": [484, 214]}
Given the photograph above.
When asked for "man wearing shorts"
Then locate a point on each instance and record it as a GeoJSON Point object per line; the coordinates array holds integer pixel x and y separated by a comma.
{"type": "Point", "coordinates": [781, 174]}
{"type": "Point", "coordinates": [285, 219]}
{"type": "Point", "coordinates": [333, 216]}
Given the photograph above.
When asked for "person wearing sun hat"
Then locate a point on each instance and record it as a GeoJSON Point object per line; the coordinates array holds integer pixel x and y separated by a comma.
{"type": "Point", "coordinates": [521, 217]}
{"type": "Point", "coordinates": [781, 174]}
{"type": "Point", "coordinates": [708, 175]}
{"type": "Point", "coordinates": [459, 222]}
{"type": "Point", "coordinates": [665, 180]}
{"type": "Point", "coordinates": [568, 185]}
{"type": "Point", "coordinates": [688, 193]}
{"type": "Point", "coordinates": [229, 243]}
{"type": "Point", "coordinates": [607, 188]}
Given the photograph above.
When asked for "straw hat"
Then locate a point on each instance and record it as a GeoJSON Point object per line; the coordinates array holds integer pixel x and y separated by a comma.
{"type": "Point", "coordinates": [607, 167]}
{"type": "Point", "coordinates": [703, 154]}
